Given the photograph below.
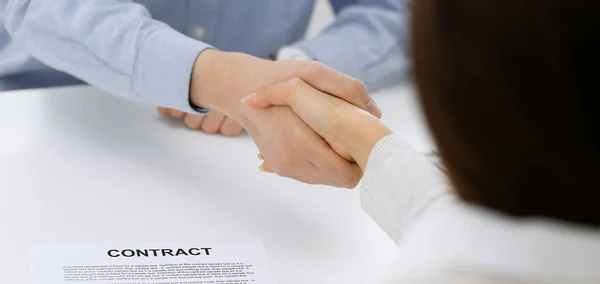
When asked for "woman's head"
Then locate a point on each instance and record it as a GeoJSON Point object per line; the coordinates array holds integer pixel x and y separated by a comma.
{"type": "Point", "coordinates": [508, 88]}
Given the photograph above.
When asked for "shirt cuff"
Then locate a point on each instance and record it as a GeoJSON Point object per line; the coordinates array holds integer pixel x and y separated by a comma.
{"type": "Point", "coordinates": [164, 67]}
{"type": "Point", "coordinates": [385, 148]}
{"type": "Point", "coordinates": [400, 185]}
{"type": "Point", "coordinates": [373, 202]}
{"type": "Point", "coordinates": [293, 53]}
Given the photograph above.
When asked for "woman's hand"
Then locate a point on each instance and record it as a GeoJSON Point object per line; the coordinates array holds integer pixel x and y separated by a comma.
{"type": "Point", "coordinates": [349, 130]}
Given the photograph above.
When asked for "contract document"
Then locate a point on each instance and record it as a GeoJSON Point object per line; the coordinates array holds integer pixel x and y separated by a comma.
{"type": "Point", "coordinates": [232, 262]}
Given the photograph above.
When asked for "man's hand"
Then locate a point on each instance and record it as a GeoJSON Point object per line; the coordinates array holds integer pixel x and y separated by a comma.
{"type": "Point", "coordinates": [215, 122]}
{"type": "Point", "coordinates": [212, 123]}
{"type": "Point", "coordinates": [221, 79]}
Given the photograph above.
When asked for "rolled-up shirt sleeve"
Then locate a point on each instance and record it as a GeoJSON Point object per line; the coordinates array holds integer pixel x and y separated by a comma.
{"type": "Point", "coordinates": [112, 44]}
{"type": "Point", "coordinates": [367, 40]}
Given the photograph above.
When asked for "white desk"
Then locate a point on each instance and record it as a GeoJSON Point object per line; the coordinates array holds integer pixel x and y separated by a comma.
{"type": "Point", "coordinates": [78, 165]}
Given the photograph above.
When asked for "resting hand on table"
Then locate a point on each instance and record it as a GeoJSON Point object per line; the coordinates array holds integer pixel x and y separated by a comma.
{"type": "Point", "coordinates": [349, 130]}
{"type": "Point", "coordinates": [212, 123]}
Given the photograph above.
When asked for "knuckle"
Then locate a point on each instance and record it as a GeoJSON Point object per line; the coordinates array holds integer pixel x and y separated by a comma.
{"type": "Point", "coordinates": [281, 169]}
{"type": "Point", "coordinates": [230, 131]}
{"type": "Point", "coordinates": [294, 84]}
{"type": "Point", "coordinates": [190, 125]}
{"type": "Point", "coordinates": [349, 183]}
{"type": "Point", "coordinates": [192, 122]}
{"type": "Point", "coordinates": [351, 179]}
{"type": "Point", "coordinates": [352, 182]}
{"type": "Point", "coordinates": [210, 128]}
{"type": "Point", "coordinates": [275, 166]}
{"type": "Point", "coordinates": [282, 160]}
{"type": "Point", "coordinates": [314, 68]}
{"type": "Point", "coordinates": [231, 128]}
{"type": "Point", "coordinates": [286, 161]}
{"type": "Point", "coordinates": [297, 142]}
{"type": "Point", "coordinates": [356, 88]}
{"type": "Point", "coordinates": [263, 91]}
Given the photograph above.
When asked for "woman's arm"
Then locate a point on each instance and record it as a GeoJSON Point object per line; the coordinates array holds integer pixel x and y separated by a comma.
{"type": "Point", "coordinates": [400, 185]}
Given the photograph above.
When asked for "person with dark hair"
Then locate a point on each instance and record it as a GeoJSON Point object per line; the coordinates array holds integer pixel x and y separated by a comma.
{"type": "Point", "coordinates": [507, 88]}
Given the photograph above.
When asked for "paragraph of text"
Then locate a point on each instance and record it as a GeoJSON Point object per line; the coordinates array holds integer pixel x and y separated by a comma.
{"type": "Point", "coordinates": [228, 273]}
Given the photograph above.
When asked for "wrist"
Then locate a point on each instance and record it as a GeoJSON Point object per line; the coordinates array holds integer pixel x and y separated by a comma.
{"type": "Point", "coordinates": [221, 79]}
{"type": "Point", "coordinates": [201, 88]}
{"type": "Point", "coordinates": [363, 133]}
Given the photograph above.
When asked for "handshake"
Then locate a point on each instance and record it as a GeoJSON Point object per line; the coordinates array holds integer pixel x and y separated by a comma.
{"type": "Point", "coordinates": [310, 122]}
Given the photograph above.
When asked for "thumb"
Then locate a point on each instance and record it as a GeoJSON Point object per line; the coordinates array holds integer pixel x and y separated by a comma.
{"type": "Point", "coordinates": [255, 101]}
{"type": "Point", "coordinates": [275, 94]}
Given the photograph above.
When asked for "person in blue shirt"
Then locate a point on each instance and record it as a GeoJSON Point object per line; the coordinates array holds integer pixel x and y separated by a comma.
{"type": "Point", "coordinates": [190, 56]}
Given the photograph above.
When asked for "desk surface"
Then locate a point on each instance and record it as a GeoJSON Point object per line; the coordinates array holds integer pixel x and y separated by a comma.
{"type": "Point", "coordinates": [77, 165]}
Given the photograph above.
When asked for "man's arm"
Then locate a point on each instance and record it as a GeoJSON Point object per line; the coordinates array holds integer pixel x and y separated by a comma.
{"type": "Point", "coordinates": [368, 41]}
{"type": "Point", "coordinates": [116, 46]}
{"type": "Point", "coordinates": [112, 44]}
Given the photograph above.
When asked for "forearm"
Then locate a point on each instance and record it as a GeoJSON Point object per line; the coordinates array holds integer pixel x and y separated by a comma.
{"type": "Point", "coordinates": [367, 41]}
{"type": "Point", "coordinates": [222, 79]}
{"type": "Point", "coordinates": [400, 185]}
{"type": "Point", "coordinates": [111, 44]}
{"type": "Point", "coordinates": [360, 132]}
{"type": "Point", "coordinates": [214, 85]}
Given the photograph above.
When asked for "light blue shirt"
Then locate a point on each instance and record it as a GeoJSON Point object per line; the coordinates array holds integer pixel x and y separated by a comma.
{"type": "Point", "coordinates": [144, 50]}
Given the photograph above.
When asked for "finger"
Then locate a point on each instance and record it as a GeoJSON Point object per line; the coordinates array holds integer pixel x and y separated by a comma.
{"type": "Point", "coordinates": [162, 110]}
{"type": "Point", "coordinates": [274, 94]}
{"type": "Point", "coordinates": [175, 113]}
{"type": "Point", "coordinates": [309, 174]}
{"type": "Point", "coordinates": [231, 128]}
{"type": "Point", "coordinates": [344, 173]}
{"type": "Point", "coordinates": [264, 167]}
{"type": "Point", "coordinates": [297, 168]}
{"type": "Point", "coordinates": [333, 167]}
{"type": "Point", "coordinates": [311, 105]}
{"type": "Point", "coordinates": [193, 121]}
{"type": "Point", "coordinates": [294, 93]}
{"type": "Point", "coordinates": [304, 167]}
{"type": "Point", "coordinates": [212, 122]}
{"type": "Point", "coordinates": [340, 85]}
{"type": "Point", "coordinates": [347, 174]}
{"type": "Point", "coordinates": [260, 156]}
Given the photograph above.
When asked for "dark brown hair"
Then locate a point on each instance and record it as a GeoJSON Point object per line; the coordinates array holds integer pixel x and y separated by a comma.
{"type": "Point", "coordinates": [509, 91]}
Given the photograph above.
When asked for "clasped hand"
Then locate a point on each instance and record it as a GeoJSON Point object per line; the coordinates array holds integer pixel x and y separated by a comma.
{"type": "Point", "coordinates": [350, 131]}
{"type": "Point", "coordinates": [302, 149]}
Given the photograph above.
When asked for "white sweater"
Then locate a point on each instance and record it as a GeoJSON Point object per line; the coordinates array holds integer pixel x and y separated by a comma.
{"type": "Point", "coordinates": [444, 240]}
